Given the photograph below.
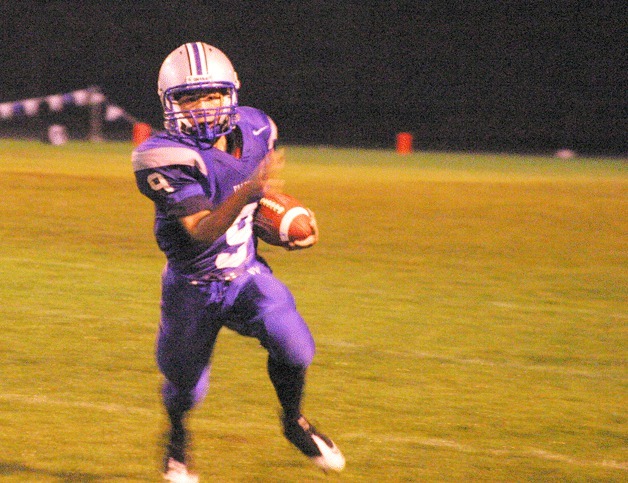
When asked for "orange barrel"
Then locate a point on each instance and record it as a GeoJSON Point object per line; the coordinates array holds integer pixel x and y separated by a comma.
{"type": "Point", "coordinates": [141, 132]}
{"type": "Point", "coordinates": [404, 143]}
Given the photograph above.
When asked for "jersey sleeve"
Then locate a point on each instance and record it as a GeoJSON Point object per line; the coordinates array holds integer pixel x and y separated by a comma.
{"type": "Point", "coordinates": [173, 179]}
{"type": "Point", "coordinates": [260, 124]}
{"type": "Point", "coordinates": [272, 138]}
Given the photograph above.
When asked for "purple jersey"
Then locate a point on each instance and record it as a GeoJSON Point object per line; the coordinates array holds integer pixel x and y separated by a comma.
{"type": "Point", "coordinates": [182, 178]}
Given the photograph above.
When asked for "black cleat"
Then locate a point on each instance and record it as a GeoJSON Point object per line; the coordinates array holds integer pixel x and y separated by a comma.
{"type": "Point", "coordinates": [316, 446]}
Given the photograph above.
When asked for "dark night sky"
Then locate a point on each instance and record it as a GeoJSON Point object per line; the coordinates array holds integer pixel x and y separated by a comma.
{"type": "Point", "coordinates": [511, 76]}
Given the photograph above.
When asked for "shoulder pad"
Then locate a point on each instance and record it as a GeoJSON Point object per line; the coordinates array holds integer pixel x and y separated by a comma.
{"type": "Point", "coordinates": [167, 156]}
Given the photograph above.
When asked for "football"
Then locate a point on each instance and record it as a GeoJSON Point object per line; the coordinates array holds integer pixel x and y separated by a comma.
{"type": "Point", "coordinates": [281, 219]}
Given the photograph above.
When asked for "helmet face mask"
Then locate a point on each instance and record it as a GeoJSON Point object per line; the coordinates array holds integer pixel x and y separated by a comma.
{"type": "Point", "coordinates": [198, 88]}
{"type": "Point", "coordinates": [206, 121]}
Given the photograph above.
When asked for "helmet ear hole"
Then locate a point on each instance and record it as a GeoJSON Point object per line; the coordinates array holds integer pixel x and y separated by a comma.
{"type": "Point", "coordinates": [192, 68]}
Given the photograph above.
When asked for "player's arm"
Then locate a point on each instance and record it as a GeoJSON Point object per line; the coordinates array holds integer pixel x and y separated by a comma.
{"type": "Point", "coordinates": [207, 226]}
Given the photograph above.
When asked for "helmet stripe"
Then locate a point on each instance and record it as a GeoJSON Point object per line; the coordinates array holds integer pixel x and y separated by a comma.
{"type": "Point", "coordinates": [196, 55]}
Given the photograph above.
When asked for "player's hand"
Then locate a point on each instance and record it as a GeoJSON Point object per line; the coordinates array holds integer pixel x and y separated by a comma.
{"type": "Point", "coordinates": [310, 240]}
{"type": "Point", "coordinates": [266, 177]}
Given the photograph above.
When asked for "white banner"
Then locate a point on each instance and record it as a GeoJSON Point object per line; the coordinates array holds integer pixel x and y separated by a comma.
{"type": "Point", "coordinates": [57, 102]}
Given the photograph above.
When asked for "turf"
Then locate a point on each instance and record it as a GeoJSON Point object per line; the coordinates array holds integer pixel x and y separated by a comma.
{"type": "Point", "coordinates": [469, 312]}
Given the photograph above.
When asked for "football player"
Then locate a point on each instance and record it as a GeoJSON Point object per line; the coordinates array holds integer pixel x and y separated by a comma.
{"type": "Point", "coordinates": [205, 174]}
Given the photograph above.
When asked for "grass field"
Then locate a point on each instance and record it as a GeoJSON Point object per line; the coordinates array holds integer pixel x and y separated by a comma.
{"type": "Point", "coordinates": [469, 310]}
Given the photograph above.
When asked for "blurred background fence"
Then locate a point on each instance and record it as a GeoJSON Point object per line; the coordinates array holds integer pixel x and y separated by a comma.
{"type": "Point", "coordinates": [513, 76]}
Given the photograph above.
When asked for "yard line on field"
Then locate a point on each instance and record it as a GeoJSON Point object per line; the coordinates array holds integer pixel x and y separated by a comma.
{"type": "Point", "coordinates": [39, 400]}
{"type": "Point", "coordinates": [475, 361]}
{"type": "Point", "coordinates": [506, 364]}
{"type": "Point", "coordinates": [555, 309]}
{"type": "Point", "coordinates": [511, 452]}
{"type": "Point", "coordinates": [513, 365]}
{"type": "Point", "coordinates": [45, 400]}
{"type": "Point", "coordinates": [54, 263]}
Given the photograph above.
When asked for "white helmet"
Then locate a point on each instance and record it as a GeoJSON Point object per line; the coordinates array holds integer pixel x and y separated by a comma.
{"type": "Point", "coordinates": [194, 67]}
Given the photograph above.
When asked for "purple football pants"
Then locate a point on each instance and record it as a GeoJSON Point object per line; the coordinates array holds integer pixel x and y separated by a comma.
{"type": "Point", "coordinates": [255, 304]}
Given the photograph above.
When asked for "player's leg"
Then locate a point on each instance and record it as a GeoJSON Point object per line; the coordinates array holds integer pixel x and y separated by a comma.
{"type": "Point", "coordinates": [266, 309]}
{"type": "Point", "coordinates": [178, 400]}
{"type": "Point", "coordinates": [263, 307]}
{"type": "Point", "coordinates": [184, 346]}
